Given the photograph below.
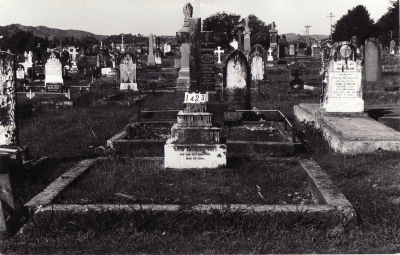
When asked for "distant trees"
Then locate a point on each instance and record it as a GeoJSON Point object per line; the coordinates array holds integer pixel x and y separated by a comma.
{"type": "Point", "coordinates": [389, 22]}
{"type": "Point", "coordinates": [227, 26]}
{"type": "Point", "coordinates": [356, 22]}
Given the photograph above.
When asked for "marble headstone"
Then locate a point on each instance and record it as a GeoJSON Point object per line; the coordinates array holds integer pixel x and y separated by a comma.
{"type": "Point", "coordinates": [344, 75]}
{"type": "Point", "coordinates": [257, 62]}
{"type": "Point", "coordinates": [128, 72]}
{"type": "Point", "coordinates": [53, 72]}
{"type": "Point", "coordinates": [236, 84]}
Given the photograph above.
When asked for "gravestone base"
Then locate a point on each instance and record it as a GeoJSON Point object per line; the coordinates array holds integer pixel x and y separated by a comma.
{"type": "Point", "coordinates": [373, 86]}
{"type": "Point", "coordinates": [194, 156]}
{"type": "Point", "coordinates": [128, 86]}
{"type": "Point", "coordinates": [345, 105]}
{"type": "Point", "coordinates": [151, 61]}
{"type": "Point", "coordinates": [194, 135]}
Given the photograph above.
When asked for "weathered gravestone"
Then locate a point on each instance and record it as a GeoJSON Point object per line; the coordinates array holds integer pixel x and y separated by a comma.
{"type": "Point", "coordinates": [195, 142]}
{"type": "Point", "coordinates": [344, 75]}
{"type": "Point", "coordinates": [157, 58]}
{"type": "Point", "coordinates": [53, 71]}
{"type": "Point", "coordinates": [296, 84]}
{"type": "Point", "coordinates": [182, 36]}
{"type": "Point", "coordinates": [291, 49]}
{"type": "Point", "coordinates": [372, 60]}
{"type": "Point", "coordinates": [273, 36]}
{"type": "Point", "coordinates": [8, 121]}
{"type": "Point", "coordinates": [128, 72]}
{"type": "Point", "coordinates": [257, 62]}
{"type": "Point", "coordinates": [392, 47]}
{"type": "Point", "coordinates": [315, 51]}
{"type": "Point", "coordinates": [150, 57]}
{"type": "Point", "coordinates": [281, 50]}
{"type": "Point", "coordinates": [237, 81]}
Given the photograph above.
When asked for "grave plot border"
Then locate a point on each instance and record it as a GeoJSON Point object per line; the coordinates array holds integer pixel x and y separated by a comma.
{"type": "Point", "coordinates": [333, 210]}
{"type": "Point", "coordinates": [339, 141]}
{"type": "Point", "coordinates": [283, 148]}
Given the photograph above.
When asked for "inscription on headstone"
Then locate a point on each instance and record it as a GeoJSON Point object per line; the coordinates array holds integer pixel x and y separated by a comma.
{"type": "Point", "coordinates": [344, 93]}
{"type": "Point", "coordinates": [53, 72]}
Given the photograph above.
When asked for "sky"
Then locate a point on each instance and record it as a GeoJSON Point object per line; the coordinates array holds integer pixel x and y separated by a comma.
{"type": "Point", "coordinates": [165, 17]}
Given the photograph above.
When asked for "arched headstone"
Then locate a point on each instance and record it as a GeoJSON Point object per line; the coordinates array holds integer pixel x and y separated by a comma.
{"type": "Point", "coordinates": [257, 62]}
{"type": "Point", "coordinates": [372, 60]}
{"type": "Point", "coordinates": [128, 71]}
{"type": "Point", "coordinates": [236, 83]}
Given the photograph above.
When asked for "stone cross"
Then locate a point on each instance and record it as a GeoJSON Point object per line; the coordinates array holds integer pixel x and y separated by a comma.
{"type": "Point", "coordinates": [73, 53]}
{"type": "Point", "coordinates": [270, 52]}
{"type": "Point", "coordinates": [219, 51]}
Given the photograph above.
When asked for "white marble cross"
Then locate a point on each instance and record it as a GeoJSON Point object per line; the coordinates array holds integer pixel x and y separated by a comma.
{"type": "Point", "coordinates": [73, 53]}
{"type": "Point", "coordinates": [219, 51]}
{"type": "Point", "coordinates": [270, 51]}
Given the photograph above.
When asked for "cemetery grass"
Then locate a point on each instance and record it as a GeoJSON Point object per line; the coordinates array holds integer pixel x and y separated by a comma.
{"type": "Point", "coordinates": [147, 182]}
{"type": "Point", "coordinates": [369, 181]}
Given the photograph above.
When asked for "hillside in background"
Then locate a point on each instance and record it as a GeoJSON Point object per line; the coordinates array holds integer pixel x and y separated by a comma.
{"type": "Point", "coordinates": [46, 32]}
{"type": "Point", "coordinates": [292, 37]}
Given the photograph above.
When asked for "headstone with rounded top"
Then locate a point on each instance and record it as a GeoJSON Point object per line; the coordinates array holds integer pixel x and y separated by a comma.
{"type": "Point", "coordinates": [237, 83]}
{"type": "Point", "coordinates": [257, 62]}
{"type": "Point", "coordinates": [128, 72]}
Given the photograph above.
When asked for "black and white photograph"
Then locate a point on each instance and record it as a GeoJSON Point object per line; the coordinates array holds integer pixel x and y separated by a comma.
{"type": "Point", "coordinates": [199, 127]}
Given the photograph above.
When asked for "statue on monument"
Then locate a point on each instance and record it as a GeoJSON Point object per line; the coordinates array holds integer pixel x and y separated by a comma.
{"type": "Point", "coordinates": [273, 25]}
{"type": "Point", "coordinates": [188, 10]}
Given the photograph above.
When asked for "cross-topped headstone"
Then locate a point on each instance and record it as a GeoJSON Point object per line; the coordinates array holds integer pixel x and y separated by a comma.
{"type": "Point", "coordinates": [219, 51]}
{"type": "Point", "coordinates": [270, 58]}
{"type": "Point", "coordinates": [297, 83]}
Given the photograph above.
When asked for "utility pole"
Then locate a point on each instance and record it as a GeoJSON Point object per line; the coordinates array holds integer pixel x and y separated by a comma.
{"type": "Point", "coordinates": [331, 16]}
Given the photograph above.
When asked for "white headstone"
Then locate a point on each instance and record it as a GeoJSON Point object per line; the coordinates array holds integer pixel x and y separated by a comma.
{"type": "Point", "coordinates": [53, 71]}
{"type": "Point", "coordinates": [344, 87]}
{"type": "Point", "coordinates": [128, 73]}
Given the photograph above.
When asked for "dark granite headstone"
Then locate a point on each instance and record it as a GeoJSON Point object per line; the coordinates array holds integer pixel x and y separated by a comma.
{"type": "Point", "coordinates": [195, 54]}
{"type": "Point", "coordinates": [281, 50]}
{"type": "Point", "coordinates": [207, 62]}
{"type": "Point", "coordinates": [296, 83]}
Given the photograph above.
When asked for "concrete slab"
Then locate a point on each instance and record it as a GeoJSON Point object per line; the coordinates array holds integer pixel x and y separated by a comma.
{"type": "Point", "coordinates": [363, 128]}
{"type": "Point", "coordinates": [350, 134]}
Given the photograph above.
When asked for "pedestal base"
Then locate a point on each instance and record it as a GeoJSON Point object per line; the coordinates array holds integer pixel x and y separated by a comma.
{"type": "Point", "coordinates": [128, 86]}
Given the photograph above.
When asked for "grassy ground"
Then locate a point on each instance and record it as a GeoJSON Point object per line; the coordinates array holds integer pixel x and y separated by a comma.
{"type": "Point", "coordinates": [369, 181]}
{"type": "Point", "coordinates": [244, 182]}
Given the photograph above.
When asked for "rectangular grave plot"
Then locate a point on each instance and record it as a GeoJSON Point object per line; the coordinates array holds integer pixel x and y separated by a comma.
{"type": "Point", "coordinates": [154, 131]}
{"type": "Point", "coordinates": [266, 132]}
{"type": "Point", "coordinates": [147, 182]}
